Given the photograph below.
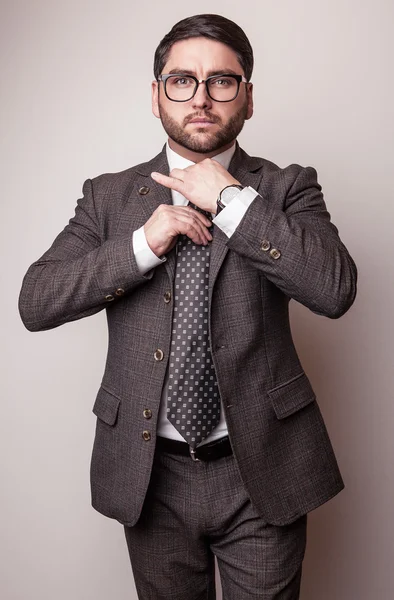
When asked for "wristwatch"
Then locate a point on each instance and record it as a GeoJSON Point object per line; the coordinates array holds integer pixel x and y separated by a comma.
{"type": "Point", "coordinates": [226, 195]}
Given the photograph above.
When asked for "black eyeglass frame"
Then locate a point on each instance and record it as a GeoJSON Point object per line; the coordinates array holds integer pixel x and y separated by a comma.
{"type": "Point", "coordinates": [239, 79]}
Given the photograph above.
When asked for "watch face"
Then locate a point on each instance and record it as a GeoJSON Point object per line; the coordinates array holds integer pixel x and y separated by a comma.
{"type": "Point", "coordinates": [228, 194]}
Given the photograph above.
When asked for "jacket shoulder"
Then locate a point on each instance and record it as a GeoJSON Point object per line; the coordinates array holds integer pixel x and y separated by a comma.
{"type": "Point", "coordinates": [269, 169]}
{"type": "Point", "coordinates": [114, 182]}
{"type": "Point", "coordinates": [121, 180]}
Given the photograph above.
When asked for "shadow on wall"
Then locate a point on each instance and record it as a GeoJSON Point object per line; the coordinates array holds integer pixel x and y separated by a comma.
{"type": "Point", "coordinates": [325, 350]}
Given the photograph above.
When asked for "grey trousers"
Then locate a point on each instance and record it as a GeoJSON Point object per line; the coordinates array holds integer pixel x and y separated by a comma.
{"type": "Point", "coordinates": [197, 510]}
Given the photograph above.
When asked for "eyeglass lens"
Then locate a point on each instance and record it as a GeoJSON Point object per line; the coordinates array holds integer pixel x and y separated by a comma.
{"type": "Point", "coordinates": [222, 89]}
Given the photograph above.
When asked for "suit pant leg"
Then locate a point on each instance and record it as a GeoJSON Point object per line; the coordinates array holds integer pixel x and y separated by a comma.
{"type": "Point", "coordinates": [257, 560]}
{"type": "Point", "coordinates": [169, 553]}
{"type": "Point", "coordinates": [195, 510]}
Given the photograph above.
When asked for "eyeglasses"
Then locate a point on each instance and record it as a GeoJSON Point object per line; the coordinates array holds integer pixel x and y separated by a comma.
{"type": "Point", "coordinates": [180, 87]}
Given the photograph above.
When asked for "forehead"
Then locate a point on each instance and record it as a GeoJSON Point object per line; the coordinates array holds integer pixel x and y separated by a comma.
{"type": "Point", "coordinates": [202, 55]}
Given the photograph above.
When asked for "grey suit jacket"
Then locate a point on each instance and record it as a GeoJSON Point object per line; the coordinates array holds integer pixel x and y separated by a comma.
{"type": "Point", "coordinates": [285, 247]}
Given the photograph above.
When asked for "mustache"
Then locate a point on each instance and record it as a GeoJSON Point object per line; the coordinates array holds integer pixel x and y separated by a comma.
{"type": "Point", "coordinates": [205, 115]}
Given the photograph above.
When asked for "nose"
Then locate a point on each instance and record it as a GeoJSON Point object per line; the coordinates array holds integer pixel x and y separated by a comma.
{"type": "Point", "coordinates": [201, 98]}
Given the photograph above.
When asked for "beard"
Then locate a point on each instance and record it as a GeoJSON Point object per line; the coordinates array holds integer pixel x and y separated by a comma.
{"type": "Point", "coordinates": [202, 141]}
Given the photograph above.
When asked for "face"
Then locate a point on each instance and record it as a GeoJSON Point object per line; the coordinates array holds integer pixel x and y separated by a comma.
{"type": "Point", "coordinates": [201, 127]}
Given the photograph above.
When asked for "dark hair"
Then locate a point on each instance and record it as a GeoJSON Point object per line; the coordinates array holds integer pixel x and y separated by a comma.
{"type": "Point", "coordinates": [213, 27]}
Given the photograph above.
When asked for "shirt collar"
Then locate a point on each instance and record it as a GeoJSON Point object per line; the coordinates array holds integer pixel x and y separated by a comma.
{"type": "Point", "coordinates": [176, 161]}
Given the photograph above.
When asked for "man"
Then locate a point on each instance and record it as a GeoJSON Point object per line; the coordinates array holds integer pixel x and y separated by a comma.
{"type": "Point", "coordinates": [209, 439]}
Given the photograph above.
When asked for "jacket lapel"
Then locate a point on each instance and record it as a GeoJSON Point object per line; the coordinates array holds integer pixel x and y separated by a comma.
{"type": "Point", "coordinates": [143, 195]}
{"type": "Point", "coordinates": [158, 194]}
{"type": "Point", "coordinates": [148, 195]}
{"type": "Point", "coordinates": [247, 170]}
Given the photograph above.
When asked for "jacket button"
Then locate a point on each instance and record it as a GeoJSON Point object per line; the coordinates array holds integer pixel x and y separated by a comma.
{"type": "Point", "coordinates": [265, 245]}
{"type": "Point", "coordinates": [146, 435]}
{"type": "Point", "coordinates": [275, 253]}
{"type": "Point", "coordinates": [147, 413]}
{"type": "Point", "coordinates": [119, 292]}
{"type": "Point", "coordinates": [109, 298]}
{"type": "Point", "coordinates": [167, 297]}
{"type": "Point", "coordinates": [159, 354]}
{"type": "Point", "coordinates": [144, 190]}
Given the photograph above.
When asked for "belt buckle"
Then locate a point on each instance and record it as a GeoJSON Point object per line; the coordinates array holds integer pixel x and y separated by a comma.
{"type": "Point", "coordinates": [193, 454]}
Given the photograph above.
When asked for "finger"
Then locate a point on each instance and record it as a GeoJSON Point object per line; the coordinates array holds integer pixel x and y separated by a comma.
{"type": "Point", "coordinates": [185, 210]}
{"type": "Point", "coordinates": [193, 227]}
{"type": "Point", "coordinates": [203, 218]}
{"type": "Point", "coordinates": [178, 174]}
{"type": "Point", "coordinates": [186, 220]}
{"type": "Point", "coordinates": [168, 182]}
{"type": "Point", "coordinates": [189, 210]}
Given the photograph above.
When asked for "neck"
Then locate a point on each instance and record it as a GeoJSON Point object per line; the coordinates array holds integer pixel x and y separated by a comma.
{"type": "Point", "coordinates": [196, 157]}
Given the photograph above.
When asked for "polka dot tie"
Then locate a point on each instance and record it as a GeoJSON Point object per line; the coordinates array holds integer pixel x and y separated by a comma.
{"type": "Point", "coordinates": [193, 403]}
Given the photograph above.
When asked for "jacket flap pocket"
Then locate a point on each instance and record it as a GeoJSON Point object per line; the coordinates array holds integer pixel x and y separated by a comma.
{"type": "Point", "coordinates": [106, 406]}
{"type": "Point", "coordinates": [291, 396]}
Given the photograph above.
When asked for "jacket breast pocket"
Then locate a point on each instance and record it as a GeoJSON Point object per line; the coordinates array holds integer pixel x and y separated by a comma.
{"type": "Point", "coordinates": [106, 406]}
{"type": "Point", "coordinates": [291, 396]}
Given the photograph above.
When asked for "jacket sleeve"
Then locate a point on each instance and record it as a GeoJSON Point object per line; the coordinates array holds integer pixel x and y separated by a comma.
{"type": "Point", "coordinates": [293, 242]}
{"type": "Point", "coordinates": [80, 274]}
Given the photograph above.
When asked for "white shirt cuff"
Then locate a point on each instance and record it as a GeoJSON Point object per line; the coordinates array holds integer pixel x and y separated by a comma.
{"type": "Point", "coordinates": [230, 217]}
{"type": "Point", "coordinates": [144, 257]}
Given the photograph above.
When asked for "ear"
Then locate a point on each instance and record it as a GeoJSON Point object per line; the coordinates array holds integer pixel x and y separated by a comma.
{"type": "Point", "coordinates": [249, 95]}
{"type": "Point", "coordinates": [155, 99]}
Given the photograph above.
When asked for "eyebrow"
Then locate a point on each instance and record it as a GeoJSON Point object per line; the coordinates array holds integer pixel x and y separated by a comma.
{"type": "Point", "coordinates": [209, 73]}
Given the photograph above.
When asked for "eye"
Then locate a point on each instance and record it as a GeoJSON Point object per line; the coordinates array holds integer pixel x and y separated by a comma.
{"type": "Point", "coordinates": [221, 82]}
{"type": "Point", "coordinates": [182, 81]}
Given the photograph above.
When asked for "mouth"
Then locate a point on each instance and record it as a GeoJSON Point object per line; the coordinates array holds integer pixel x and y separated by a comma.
{"type": "Point", "coordinates": [201, 122]}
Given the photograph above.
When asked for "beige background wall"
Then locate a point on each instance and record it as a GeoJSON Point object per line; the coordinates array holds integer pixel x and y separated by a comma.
{"type": "Point", "coordinates": [75, 102]}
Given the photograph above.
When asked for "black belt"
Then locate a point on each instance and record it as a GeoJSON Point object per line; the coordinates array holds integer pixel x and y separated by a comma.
{"type": "Point", "coordinates": [212, 451]}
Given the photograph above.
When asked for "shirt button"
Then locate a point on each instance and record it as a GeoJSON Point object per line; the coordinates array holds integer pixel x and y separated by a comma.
{"type": "Point", "coordinates": [159, 354]}
{"type": "Point", "coordinates": [167, 297]}
{"type": "Point", "coordinates": [109, 298]}
{"type": "Point", "coordinates": [147, 413]}
{"type": "Point", "coordinates": [265, 245]}
{"type": "Point", "coordinates": [146, 435]}
{"type": "Point", "coordinates": [275, 253]}
{"type": "Point", "coordinates": [119, 292]}
{"type": "Point", "coordinates": [144, 190]}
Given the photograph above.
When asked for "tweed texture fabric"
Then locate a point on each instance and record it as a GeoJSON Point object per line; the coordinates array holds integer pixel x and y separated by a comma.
{"type": "Point", "coordinates": [202, 510]}
{"type": "Point", "coordinates": [285, 247]}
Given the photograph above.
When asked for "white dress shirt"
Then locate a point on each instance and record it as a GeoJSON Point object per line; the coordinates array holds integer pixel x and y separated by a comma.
{"type": "Point", "coordinates": [227, 220]}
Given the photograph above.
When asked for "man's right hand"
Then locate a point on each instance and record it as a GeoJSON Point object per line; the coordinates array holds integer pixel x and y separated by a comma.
{"type": "Point", "coordinates": [167, 222]}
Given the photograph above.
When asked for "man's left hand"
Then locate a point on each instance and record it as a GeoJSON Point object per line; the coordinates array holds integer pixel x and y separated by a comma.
{"type": "Point", "coordinates": [201, 183]}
